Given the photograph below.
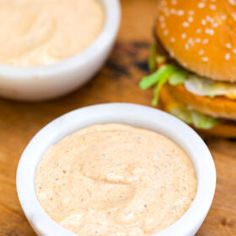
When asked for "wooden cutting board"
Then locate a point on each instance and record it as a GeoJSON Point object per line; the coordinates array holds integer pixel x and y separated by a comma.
{"type": "Point", "coordinates": [116, 82]}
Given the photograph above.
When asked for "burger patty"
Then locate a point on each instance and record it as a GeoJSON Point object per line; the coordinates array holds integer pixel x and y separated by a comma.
{"type": "Point", "coordinates": [225, 128]}
{"type": "Point", "coordinates": [219, 107]}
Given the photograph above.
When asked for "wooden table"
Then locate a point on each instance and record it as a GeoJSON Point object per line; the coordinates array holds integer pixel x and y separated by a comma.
{"type": "Point", "coordinates": [117, 82]}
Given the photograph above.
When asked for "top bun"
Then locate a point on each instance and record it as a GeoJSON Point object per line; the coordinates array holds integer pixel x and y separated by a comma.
{"type": "Point", "coordinates": [200, 35]}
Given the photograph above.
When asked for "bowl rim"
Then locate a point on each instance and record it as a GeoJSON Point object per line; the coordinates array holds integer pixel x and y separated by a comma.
{"type": "Point", "coordinates": [110, 29]}
{"type": "Point", "coordinates": [132, 114]}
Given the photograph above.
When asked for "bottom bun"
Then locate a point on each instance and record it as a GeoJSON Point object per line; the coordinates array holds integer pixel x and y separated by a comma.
{"type": "Point", "coordinates": [225, 128]}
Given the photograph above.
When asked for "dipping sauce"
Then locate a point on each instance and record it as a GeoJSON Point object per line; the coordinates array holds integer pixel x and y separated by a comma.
{"type": "Point", "coordinates": [42, 32]}
{"type": "Point", "coordinates": [115, 179]}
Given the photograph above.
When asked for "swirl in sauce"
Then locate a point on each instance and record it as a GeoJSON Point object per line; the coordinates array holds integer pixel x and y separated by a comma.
{"type": "Point", "coordinates": [115, 179]}
{"type": "Point", "coordinates": [42, 32]}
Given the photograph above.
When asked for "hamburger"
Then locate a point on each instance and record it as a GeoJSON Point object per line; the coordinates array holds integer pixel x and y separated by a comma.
{"type": "Point", "coordinates": [193, 64]}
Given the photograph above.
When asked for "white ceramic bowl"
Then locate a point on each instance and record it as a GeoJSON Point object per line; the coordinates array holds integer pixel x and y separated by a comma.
{"type": "Point", "coordinates": [45, 82]}
{"type": "Point", "coordinates": [135, 115]}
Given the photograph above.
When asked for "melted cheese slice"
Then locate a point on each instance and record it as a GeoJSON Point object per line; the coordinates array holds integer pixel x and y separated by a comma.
{"type": "Point", "coordinates": [206, 87]}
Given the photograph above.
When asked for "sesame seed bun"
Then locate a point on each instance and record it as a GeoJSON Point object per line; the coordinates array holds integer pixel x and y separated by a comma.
{"type": "Point", "coordinates": [200, 35]}
{"type": "Point", "coordinates": [225, 128]}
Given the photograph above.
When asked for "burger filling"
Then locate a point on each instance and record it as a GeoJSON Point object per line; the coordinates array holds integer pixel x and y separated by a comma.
{"type": "Point", "coordinates": [164, 71]}
{"type": "Point", "coordinates": [207, 87]}
{"type": "Point", "coordinates": [192, 117]}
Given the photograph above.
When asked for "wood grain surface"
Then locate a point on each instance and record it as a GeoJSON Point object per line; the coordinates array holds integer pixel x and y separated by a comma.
{"type": "Point", "coordinates": [116, 82]}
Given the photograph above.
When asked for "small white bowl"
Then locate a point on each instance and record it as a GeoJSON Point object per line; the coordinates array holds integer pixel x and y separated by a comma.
{"type": "Point", "coordinates": [135, 115]}
{"type": "Point", "coordinates": [46, 82]}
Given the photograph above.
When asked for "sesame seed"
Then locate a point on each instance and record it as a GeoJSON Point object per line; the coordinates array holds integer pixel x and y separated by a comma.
{"type": "Point", "coordinates": [205, 59]}
{"type": "Point", "coordinates": [186, 46]}
{"type": "Point", "coordinates": [234, 16]}
{"type": "Point", "coordinates": [184, 36]}
{"type": "Point", "coordinates": [212, 7]}
{"type": "Point", "coordinates": [215, 25]}
{"type": "Point", "coordinates": [198, 40]}
{"type": "Point", "coordinates": [163, 25]}
{"type": "Point", "coordinates": [232, 2]}
{"type": "Point", "coordinates": [172, 54]}
{"type": "Point", "coordinates": [162, 18]}
{"type": "Point", "coordinates": [191, 13]}
{"type": "Point", "coordinates": [223, 17]}
{"type": "Point", "coordinates": [210, 31]}
{"type": "Point", "coordinates": [172, 40]}
{"type": "Point", "coordinates": [184, 64]}
{"type": "Point", "coordinates": [173, 2]}
{"type": "Point", "coordinates": [234, 50]}
{"type": "Point", "coordinates": [190, 19]}
{"type": "Point", "coordinates": [227, 56]}
{"type": "Point", "coordinates": [180, 13]}
{"type": "Point", "coordinates": [203, 22]}
{"type": "Point", "coordinates": [228, 45]}
{"type": "Point", "coordinates": [185, 24]}
{"type": "Point", "coordinates": [167, 12]}
{"type": "Point", "coordinates": [191, 41]}
{"type": "Point", "coordinates": [205, 41]}
{"type": "Point", "coordinates": [208, 18]}
{"type": "Point", "coordinates": [201, 52]}
{"type": "Point", "coordinates": [198, 31]}
{"type": "Point", "coordinates": [166, 32]}
{"type": "Point", "coordinates": [173, 11]}
{"type": "Point", "coordinates": [201, 5]}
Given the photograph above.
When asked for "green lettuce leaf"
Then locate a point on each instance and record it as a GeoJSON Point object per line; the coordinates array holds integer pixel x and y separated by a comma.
{"type": "Point", "coordinates": [158, 78]}
{"type": "Point", "coordinates": [194, 118]}
{"type": "Point", "coordinates": [178, 78]}
{"type": "Point", "coordinates": [165, 73]}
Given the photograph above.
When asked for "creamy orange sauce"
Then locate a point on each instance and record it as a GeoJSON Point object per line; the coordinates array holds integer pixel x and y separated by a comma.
{"type": "Point", "coordinates": [42, 32]}
{"type": "Point", "coordinates": [115, 179]}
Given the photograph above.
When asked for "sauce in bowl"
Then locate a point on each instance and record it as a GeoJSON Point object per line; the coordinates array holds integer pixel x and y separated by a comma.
{"type": "Point", "coordinates": [115, 179]}
{"type": "Point", "coordinates": [43, 32]}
